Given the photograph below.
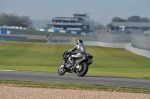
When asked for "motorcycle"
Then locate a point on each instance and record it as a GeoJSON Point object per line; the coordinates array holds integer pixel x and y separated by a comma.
{"type": "Point", "coordinates": [80, 66]}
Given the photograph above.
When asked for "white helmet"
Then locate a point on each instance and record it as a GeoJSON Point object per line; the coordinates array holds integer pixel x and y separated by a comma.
{"type": "Point", "coordinates": [79, 41]}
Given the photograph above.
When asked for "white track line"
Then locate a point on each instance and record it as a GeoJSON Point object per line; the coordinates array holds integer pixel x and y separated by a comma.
{"type": "Point", "coordinates": [6, 70]}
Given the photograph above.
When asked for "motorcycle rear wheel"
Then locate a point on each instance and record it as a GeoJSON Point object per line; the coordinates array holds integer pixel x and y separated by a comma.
{"type": "Point", "coordinates": [82, 70]}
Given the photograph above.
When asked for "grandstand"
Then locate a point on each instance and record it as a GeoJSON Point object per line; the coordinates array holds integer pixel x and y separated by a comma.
{"type": "Point", "coordinates": [78, 23]}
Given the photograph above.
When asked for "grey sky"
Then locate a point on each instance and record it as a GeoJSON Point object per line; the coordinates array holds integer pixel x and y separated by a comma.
{"type": "Point", "coordinates": [100, 10]}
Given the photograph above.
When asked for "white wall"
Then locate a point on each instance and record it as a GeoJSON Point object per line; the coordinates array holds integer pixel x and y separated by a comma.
{"type": "Point", "coordinates": [127, 46]}
{"type": "Point", "coordinates": [137, 51]}
{"type": "Point", "coordinates": [104, 44]}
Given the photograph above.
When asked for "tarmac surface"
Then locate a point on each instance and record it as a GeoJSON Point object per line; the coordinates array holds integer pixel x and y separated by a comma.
{"type": "Point", "coordinates": [73, 78]}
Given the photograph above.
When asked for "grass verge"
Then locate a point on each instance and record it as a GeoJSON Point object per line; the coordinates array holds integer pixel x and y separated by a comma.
{"type": "Point", "coordinates": [72, 86]}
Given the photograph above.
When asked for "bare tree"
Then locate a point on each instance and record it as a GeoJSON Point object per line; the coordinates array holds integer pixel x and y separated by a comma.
{"type": "Point", "coordinates": [4, 19]}
{"type": "Point", "coordinates": [15, 20]}
{"type": "Point", "coordinates": [26, 21]}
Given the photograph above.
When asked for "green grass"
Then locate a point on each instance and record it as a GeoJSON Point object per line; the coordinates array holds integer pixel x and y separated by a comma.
{"type": "Point", "coordinates": [43, 57]}
{"type": "Point", "coordinates": [73, 86]}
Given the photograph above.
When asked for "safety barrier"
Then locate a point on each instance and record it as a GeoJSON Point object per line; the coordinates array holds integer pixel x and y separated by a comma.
{"type": "Point", "coordinates": [11, 27]}
{"type": "Point", "coordinates": [127, 46]}
{"type": "Point", "coordinates": [138, 51]}
{"type": "Point", "coordinates": [5, 32]}
{"type": "Point", "coordinates": [105, 44]}
{"type": "Point", "coordinates": [62, 31]}
{"type": "Point", "coordinates": [12, 38]}
{"type": "Point", "coordinates": [141, 40]}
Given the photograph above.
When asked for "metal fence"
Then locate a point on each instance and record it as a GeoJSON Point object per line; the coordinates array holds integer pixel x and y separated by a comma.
{"type": "Point", "coordinates": [101, 37]}
{"type": "Point", "coordinates": [60, 39]}
{"type": "Point", "coordinates": [141, 40]}
{"type": "Point", "coordinates": [137, 39]}
{"type": "Point", "coordinates": [12, 38]}
{"type": "Point", "coordinates": [109, 37]}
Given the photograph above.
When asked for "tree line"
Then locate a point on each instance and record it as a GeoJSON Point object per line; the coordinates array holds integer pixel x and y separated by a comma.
{"type": "Point", "coordinates": [135, 18]}
{"type": "Point", "coordinates": [15, 20]}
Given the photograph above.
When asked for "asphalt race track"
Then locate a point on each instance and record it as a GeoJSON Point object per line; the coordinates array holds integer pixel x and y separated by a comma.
{"type": "Point", "coordinates": [73, 78]}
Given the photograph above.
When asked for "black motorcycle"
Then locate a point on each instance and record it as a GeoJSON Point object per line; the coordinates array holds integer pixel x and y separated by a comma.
{"type": "Point", "coordinates": [80, 65]}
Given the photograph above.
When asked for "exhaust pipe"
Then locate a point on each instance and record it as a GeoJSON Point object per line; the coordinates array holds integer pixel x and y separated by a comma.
{"type": "Point", "coordinates": [80, 60]}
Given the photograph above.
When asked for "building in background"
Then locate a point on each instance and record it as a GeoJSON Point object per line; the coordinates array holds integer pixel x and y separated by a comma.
{"type": "Point", "coordinates": [130, 26]}
{"type": "Point", "coordinates": [78, 23]}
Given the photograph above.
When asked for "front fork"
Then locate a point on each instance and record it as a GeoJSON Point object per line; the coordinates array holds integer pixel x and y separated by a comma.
{"type": "Point", "coordinates": [63, 64]}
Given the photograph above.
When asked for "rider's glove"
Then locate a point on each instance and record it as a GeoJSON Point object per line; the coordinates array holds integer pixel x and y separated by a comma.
{"type": "Point", "coordinates": [69, 51]}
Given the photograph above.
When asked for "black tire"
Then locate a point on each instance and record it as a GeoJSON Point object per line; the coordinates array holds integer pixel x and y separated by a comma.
{"type": "Point", "coordinates": [61, 71]}
{"type": "Point", "coordinates": [83, 70]}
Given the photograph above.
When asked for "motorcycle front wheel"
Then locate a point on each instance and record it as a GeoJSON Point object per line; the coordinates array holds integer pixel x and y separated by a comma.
{"type": "Point", "coordinates": [82, 70]}
{"type": "Point", "coordinates": [61, 70]}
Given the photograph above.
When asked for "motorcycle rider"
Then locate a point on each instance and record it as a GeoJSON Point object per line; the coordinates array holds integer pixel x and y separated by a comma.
{"type": "Point", "coordinates": [81, 51]}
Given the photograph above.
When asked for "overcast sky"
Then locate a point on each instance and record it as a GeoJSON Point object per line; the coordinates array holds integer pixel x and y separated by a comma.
{"type": "Point", "coordinates": [100, 10]}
